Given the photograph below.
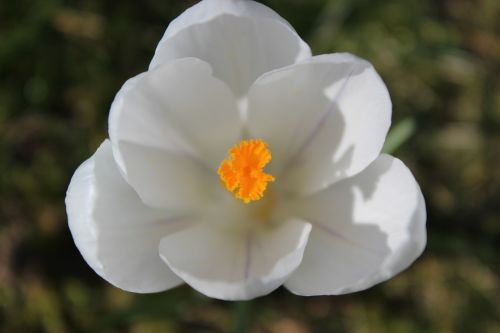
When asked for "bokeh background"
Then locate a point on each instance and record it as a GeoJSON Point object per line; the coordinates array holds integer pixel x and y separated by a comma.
{"type": "Point", "coordinates": [62, 61]}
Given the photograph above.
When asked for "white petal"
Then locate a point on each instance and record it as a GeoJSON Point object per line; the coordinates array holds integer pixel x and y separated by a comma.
{"type": "Point", "coordinates": [168, 180]}
{"type": "Point", "coordinates": [235, 266]}
{"type": "Point", "coordinates": [115, 232]}
{"type": "Point", "coordinates": [175, 117]}
{"type": "Point", "coordinates": [366, 229]}
{"type": "Point", "coordinates": [324, 119]}
{"type": "Point", "coordinates": [240, 39]}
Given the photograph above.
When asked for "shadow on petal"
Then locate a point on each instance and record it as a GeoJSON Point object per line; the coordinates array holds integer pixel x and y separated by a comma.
{"type": "Point", "coordinates": [366, 229]}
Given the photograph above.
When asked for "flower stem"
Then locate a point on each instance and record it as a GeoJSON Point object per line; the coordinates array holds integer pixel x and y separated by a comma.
{"type": "Point", "coordinates": [241, 317]}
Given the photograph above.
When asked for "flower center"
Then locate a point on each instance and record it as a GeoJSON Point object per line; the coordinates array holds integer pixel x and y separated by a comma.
{"type": "Point", "coordinates": [242, 172]}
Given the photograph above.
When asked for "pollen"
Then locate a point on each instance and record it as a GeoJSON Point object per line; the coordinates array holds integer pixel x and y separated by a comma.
{"type": "Point", "coordinates": [242, 173]}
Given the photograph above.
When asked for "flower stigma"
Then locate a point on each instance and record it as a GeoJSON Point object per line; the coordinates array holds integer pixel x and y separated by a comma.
{"type": "Point", "coordinates": [242, 172]}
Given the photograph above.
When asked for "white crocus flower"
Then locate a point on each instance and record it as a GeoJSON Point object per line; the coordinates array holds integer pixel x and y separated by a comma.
{"type": "Point", "coordinates": [162, 202]}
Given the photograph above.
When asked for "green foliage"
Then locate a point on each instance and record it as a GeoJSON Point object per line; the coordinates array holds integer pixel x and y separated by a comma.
{"type": "Point", "coordinates": [61, 62]}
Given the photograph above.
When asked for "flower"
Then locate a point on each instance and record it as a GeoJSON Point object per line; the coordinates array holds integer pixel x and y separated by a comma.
{"type": "Point", "coordinates": [240, 162]}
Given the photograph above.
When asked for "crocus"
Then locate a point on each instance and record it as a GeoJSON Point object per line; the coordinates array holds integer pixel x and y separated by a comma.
{"type": "Point", "coordinates": [240, 162]}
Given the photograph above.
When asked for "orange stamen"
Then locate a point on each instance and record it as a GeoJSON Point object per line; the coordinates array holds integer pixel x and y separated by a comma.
{"type": "Point", "coordinates": [242, 173]}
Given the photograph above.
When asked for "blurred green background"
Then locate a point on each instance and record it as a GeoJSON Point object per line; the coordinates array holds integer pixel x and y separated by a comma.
{"type": "Point", "coordinates": [61, 62]}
